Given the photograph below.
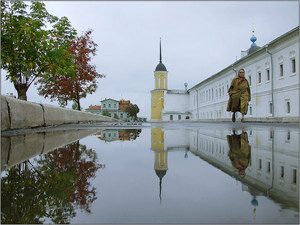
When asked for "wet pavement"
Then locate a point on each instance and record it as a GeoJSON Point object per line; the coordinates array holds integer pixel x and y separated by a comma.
{"type": "Point", "coordinates": [155, 173]}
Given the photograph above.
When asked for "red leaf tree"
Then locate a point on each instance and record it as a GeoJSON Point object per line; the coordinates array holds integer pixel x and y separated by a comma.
{"type": "Point", "coordinates": [77, 82]}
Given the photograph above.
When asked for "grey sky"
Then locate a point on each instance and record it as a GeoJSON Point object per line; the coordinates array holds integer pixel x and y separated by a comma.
{"type": "Point", "coordinates": [199, 38]}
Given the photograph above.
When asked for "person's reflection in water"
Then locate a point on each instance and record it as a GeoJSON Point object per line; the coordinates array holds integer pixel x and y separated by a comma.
{"type": "Point", "coordinates": [240, 152]}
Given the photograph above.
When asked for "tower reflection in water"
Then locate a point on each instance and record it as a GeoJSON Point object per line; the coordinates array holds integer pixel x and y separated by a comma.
{"type": "Point", "coordinates": [161, 155]}
{"type": "Point", "coordinates": [265, 161]}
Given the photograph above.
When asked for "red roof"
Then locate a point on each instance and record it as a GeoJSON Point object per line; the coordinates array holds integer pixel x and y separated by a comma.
{"type": "Point", "coordinates": [123, 104]}
{"type": "Point", "coordinates": [94, 107]}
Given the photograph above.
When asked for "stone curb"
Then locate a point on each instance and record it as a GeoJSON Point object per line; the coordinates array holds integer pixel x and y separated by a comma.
{"type": "Point", "coordinates": [19, 114]}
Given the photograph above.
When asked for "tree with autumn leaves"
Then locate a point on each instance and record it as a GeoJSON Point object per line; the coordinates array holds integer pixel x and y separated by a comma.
{"type": "Point", "coordinates": [52, 57]}
{"type": "Point", "coordinates": [83, 79]}
{"type": "Point", "coordinates": [50, 186]}
{"type": "Point", "coordinates": [31, 50]}
{"type": "Point", "coordinates": [132, 110]}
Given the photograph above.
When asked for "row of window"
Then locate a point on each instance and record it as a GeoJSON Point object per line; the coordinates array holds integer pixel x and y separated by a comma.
{"type": "Point", "coordinates": [220, 91]}
{"type": "Point", "coordinates": [209, 94]}
{"type": "Point", "coordinates": [287, 107]}
{"type": "Point", "coordinates": [218, 113]}
{"type": "Point", "coordinates": [280, 72]}
{"type": "Point", "coordinates": [288, 135]}
{"type": "Point", "coordinates": [207, 146]}
{"type": "Point", "coordinates": [109, 105]}
{"type": "Point", "coordinates": [282, 171]}
{"type": "Point", "coordinates": [179, 117]}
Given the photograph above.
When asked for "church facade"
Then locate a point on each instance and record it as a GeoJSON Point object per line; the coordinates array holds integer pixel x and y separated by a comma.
{"type": "Point", "coordinates": [167, 104]}
{"type": "Point", "coordinates": [273, 75]}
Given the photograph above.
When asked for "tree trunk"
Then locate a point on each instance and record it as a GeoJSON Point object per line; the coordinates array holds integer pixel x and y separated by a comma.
{"type": "Point", "coordinates": [77, 100]}
{"type": "Point", "coordinates": [79, 108]}
{"type": "Point", "coordinates": [21, 89]}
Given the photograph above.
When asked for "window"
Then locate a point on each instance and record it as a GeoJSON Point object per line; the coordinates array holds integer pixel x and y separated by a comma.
{"type": "Point", "coordinates": [115, 105]}
{"type": "Point", "coordinates": [171, 117]}
{"type": "Point", "coordinates": [259, 164]}
{"type": "Point", "coordinates": [121, 115]}
{"type": "Point", "coordinates": [294, 176]}
{"type": "Point", "coordinates": [179, 117]}
{"type": "Point", "coordinates": [288, 136]}
{"type": "Point", "coordinates": [259, 77]}
{"type": "Point", "coordinates": [281, 70]}
{"type": "Point", "coordinates": [281, 172]}
{"type": "Point", "coordinates": [271, 134]}
{"type": "Point", "coordinates": [271, 105]}
{"type": "Point", "coordinates": [269, 167]}
{"type": "Point", "coordinates": [250, 110]}
{"type": "Point", "coordinates": [104, 105]}
{"type": "Point", "coordinates": [293, 64]}
{"type": "Point", "coordinates": [288, 106]}
{"type": "Point", "coordinates": [267, 74]}
{"type": "Point", "coordinates": [250, 80]}
{"type": "Point", "coordinates": [109, 105]}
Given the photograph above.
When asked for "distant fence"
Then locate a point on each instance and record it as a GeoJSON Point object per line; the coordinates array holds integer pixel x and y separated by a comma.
{"type": "Point", "coordinates": [19, 114]}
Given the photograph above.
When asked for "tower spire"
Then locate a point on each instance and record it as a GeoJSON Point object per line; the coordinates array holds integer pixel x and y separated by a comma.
{"type": "Point", "coordinates": [160, 58]}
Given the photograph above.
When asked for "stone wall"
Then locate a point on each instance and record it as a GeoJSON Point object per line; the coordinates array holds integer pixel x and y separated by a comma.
{"type": "Point", "coordinates": [19, 114]}
{"type": "Point", "coordinates": [17, 149]}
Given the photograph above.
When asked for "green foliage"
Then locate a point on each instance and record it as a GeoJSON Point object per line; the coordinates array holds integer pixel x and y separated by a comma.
{"type": "Point", "coordinates": [51, 186]}
{"type": "Point", "coordinates": [132, 110]}
{"type": "Point", "coordinates": [105, 113]}
{"type": "Point", "coordinates": [75, 106]}
{"type": "Point", "coordinates": [28, 48]}
{"type": "Point", "coordinates": [81, 77]}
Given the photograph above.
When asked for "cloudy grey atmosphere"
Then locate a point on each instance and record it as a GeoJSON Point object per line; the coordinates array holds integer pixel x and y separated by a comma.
{"type": "Point", "coordinates": [199, 38]}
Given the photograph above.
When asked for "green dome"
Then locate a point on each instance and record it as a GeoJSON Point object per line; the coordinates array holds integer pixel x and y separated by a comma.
{"type": "Point", "coordinates": [160, 67]}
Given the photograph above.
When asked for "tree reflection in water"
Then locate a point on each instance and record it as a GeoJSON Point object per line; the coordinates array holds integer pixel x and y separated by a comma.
{"type": "Point", "coordinates": [50, 186]}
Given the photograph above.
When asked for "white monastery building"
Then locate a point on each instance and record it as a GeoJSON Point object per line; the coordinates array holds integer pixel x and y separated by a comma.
{"type": "Point", "coordinates": [273, 75]}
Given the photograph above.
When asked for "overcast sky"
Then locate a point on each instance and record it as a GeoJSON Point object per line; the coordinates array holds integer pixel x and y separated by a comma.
{"type": "Point", "coordinates": [199, 38]}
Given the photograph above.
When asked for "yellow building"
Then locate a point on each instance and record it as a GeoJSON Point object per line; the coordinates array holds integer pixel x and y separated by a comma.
{"type": "Point", "coordinates": [161, 155]}
{"type": "Point", "coordinates": [160, 88]}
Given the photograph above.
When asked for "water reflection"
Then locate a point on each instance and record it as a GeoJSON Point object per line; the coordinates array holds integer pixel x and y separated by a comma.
{"type": "Point", "coordinates": [52, 185]}
{"type": "Point", "coordinates": [165, 174]}
{"type": "Point", "coordinates": [266, 162]}
{"type": "Point", "coordinates": [240, 152]}
{"type": "Point", "coordinates": [109, 135]}
{"type": "Point", "coordinates": [161, 155]}
{"type": "Point", "coordinates": [19, 148]}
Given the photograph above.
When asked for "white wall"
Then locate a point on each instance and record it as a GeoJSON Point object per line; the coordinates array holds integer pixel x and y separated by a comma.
{"type": "Point", "coordinates": [208, 99]}
{"type": "Point", "coordinates": [175, 104]}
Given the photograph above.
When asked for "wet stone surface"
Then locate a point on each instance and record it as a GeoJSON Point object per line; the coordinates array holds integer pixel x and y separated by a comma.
{"type": "Point", "coordinates": [158, 173]}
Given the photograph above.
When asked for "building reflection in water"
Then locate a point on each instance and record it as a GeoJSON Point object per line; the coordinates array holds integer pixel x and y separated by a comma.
{"type": "Point", "coordinates": [109, 135]}
{"type": "Point", "coordinates": [161, 155]}
{"type": "Point", "coordinates": [265, 161]}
